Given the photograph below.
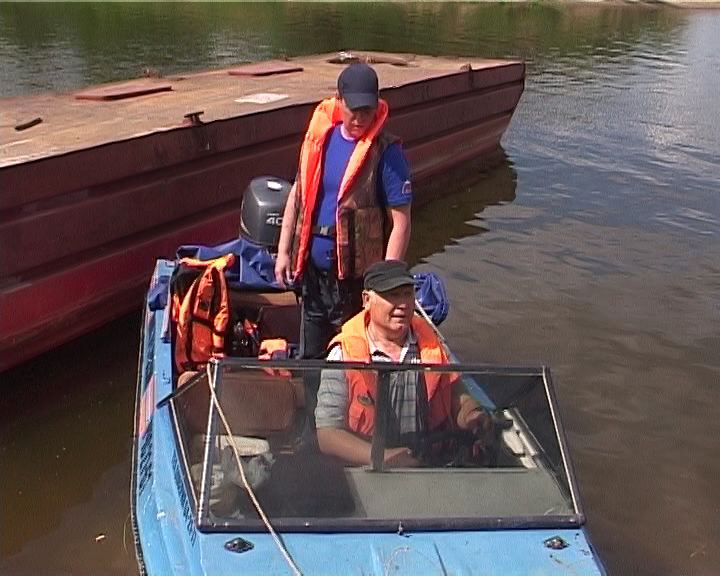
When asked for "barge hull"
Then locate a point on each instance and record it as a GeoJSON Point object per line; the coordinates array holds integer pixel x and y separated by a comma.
{"type": "Point", "coordinates": [97, 191]}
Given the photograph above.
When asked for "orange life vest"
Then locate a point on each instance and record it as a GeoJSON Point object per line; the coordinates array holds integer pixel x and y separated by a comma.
{"type": "Point", "coordinates": [202, 315]}
{"type": "Point", "coordinates": [273, 349]}
{"type": "Point", "coordinates": [327, 114]}
{"type": "Point", "coordinates": [363, 384]}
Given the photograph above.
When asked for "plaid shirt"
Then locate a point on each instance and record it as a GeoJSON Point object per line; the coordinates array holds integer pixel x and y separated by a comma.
{"type": "Point", "coordinates": [333, 401]}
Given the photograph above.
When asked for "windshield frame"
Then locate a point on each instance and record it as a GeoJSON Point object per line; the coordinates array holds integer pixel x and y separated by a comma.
{"type": "Point", "coordinates": [206, 522]}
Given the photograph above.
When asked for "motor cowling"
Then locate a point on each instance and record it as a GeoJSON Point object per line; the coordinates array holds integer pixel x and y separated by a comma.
{"type": "Point", "coordinates": [261, 211]}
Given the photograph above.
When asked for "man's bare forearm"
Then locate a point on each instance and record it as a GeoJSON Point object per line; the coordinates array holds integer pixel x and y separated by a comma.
{"type": "Point", "coordinates": [353, 450]}
{"type": "Point", "coordinates": [400, 234]}
{"type": "Point", "coordinates": [288, 223]}
{"type": "Point", "coordinates": [344, 445]}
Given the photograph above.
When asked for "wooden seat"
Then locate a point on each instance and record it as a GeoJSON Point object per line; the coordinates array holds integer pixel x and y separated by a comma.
{"type": "Point", "coordinates": [258, 404]}
{"type": "Point", "coordinates": [255, 403]}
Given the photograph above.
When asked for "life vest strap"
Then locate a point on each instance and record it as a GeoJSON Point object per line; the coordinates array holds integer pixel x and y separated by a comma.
{"type": "Point", "coordinates": [327, 230]}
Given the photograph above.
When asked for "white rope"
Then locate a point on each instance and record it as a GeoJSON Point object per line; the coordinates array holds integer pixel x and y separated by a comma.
{"type": "Point", "coordinates": [421, 310]}
{"type": "Point", "coordinates": [283, 550]}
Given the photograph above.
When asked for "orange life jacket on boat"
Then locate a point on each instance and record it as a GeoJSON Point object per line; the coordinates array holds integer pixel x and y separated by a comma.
{"type": "Point", "coordinates": [202, 315]}
{"type": "Point", "coordinates": [274, 349]}
{"type": "Point", "coordinates": [362, 385]}
{"type": "Point", "coordinates": [361, 230]}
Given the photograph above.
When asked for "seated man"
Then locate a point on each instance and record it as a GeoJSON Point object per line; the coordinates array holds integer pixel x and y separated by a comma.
{"type": "Point", "coordinates": [387, 330]}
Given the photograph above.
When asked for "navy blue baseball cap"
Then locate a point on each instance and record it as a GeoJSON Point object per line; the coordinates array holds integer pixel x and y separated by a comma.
{"type": "Point", "coordinates": [358, 86]}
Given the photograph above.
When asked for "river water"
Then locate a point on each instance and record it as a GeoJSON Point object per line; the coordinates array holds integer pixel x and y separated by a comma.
{"type": "Point", "coordinates": [593, 248]}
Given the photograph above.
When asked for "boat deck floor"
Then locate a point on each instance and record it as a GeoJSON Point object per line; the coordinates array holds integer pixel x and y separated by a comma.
{"type": "Point", "coordinates": [100, 115]}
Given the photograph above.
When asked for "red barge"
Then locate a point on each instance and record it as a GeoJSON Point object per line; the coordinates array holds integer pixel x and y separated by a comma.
{"type": "Point", "coordinates": [96, 185]}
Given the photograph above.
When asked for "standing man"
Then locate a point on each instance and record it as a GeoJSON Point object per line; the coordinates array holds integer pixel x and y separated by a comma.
{"type": "Point", "coordinates": [348, 208]}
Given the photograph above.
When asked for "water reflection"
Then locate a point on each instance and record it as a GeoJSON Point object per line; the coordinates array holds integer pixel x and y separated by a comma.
{"type": "Point", "coordinates": [65, 423]}
{"type": "Point", "coordinates": [458, 201]}
{"type": "Point", "coordinates": [60, 46]}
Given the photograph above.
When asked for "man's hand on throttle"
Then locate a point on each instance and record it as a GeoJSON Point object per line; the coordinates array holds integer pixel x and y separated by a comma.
{"type": "Point", "coordinates": [400, 458]}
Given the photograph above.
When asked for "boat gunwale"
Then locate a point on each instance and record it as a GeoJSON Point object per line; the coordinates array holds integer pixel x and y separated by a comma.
{"type": "Point", "coordinates": [135, 452]}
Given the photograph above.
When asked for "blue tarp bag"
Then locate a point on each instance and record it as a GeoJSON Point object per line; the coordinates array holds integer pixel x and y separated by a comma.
{"type": "Point", "coordinates": [253, 269]}
{"type": "Point", "coordinates": [158, 295]}
{"type": "Point", "coordinates": [431, 295]}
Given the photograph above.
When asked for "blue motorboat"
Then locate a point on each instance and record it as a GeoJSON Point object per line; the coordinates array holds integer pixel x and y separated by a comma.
{"type": "Point", "coordinates": [224, 485]}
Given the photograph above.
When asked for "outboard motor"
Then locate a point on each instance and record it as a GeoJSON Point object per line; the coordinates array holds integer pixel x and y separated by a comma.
{"type": "Point", "coordinates": [262, 210]}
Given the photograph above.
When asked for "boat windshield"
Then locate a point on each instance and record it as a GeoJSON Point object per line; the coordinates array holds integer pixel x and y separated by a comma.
{"type": "Point", "coordinates": [395, 445]}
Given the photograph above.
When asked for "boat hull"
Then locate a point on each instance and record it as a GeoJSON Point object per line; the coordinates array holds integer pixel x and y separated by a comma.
{"type": "Point", "coordinates": [100, 189]}
{"type": "Point", "coordinates": [169, 542]}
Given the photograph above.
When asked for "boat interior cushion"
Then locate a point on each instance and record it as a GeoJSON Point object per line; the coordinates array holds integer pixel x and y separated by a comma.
{"type": "Point", "coordinates": [258, 404]}
{"type": "Point", "coordinates": [255, 404]}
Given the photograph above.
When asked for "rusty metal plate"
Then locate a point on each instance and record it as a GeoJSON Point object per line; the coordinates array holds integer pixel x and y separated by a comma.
{"type": "Point", "coordinates": [265, 69]}
{"type": "Point", "coordinates": [127, 90]}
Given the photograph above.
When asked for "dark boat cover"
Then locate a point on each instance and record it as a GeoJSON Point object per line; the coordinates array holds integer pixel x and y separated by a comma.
{"type": "Point", "coordinates": [253, 269]}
